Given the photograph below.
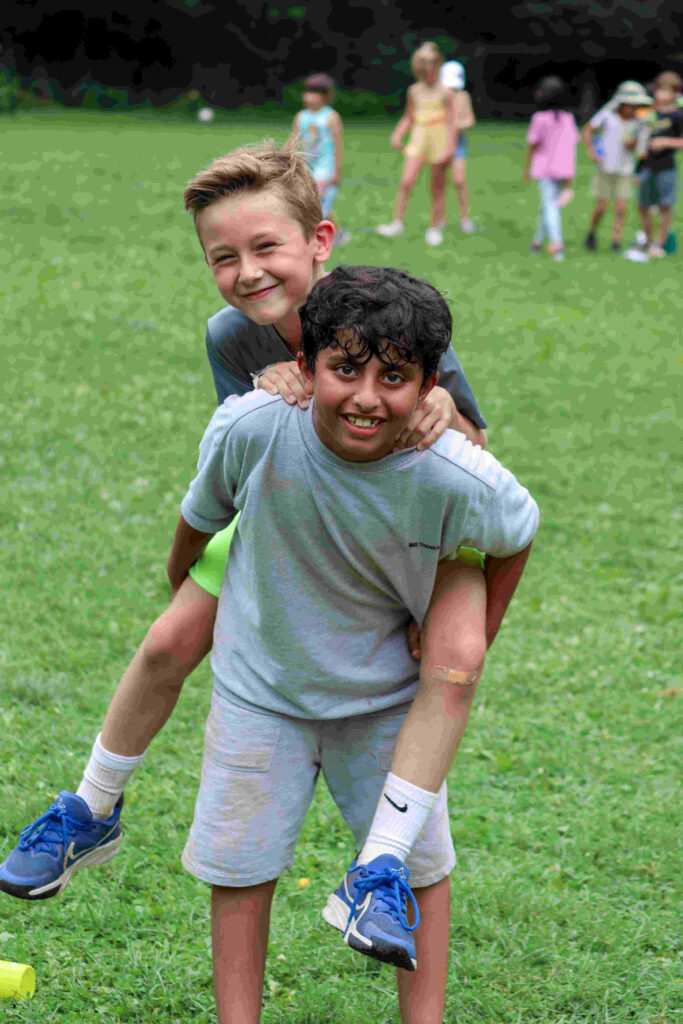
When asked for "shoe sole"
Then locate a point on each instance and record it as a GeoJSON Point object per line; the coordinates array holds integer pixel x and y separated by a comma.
{"type": "Point", "coordinates": [99, 856]}
{"type": "Point", "coordinates": [384, 952]}
{"type": "Point", "coordinates": [336, 914]}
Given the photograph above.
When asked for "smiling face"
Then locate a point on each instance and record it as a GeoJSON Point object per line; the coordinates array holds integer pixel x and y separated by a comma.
{"type": "Point", "coordinates": [261, 260]}
{"type": "Point", "coordinates": [360, 408]}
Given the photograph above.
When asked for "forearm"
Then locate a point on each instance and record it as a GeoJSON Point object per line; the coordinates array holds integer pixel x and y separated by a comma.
{"type": "Point", "coordinates": [187, 544]}
{"type": "Point", "coordinates": [473, 433]}
{"type": "Point", "coordinates": [587, 136]}
{"type": "Point", "coordinates": [502, 576]}
{"type": "Point", "coordinates": [529, 155]}
{"type": "Point", "coordinates": [402, 127]}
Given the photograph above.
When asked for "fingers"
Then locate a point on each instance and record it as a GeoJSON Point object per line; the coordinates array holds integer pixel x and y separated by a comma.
{"type": "Point", "coordinates": [284, 379]}
{"type": "Point", "coordinates": [424, 429]}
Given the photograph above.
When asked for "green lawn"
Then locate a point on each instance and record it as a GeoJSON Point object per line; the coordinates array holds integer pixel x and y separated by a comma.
{"type": "Point", "coordinates": [565, 796]}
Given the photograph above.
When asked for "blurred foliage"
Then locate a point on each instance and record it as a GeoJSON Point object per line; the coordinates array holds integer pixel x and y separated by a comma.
{"type": "Point", "coordinates": [253, 52]}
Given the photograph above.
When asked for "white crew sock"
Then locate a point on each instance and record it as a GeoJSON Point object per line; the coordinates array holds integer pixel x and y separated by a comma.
{"type": "Point", "coordinates": [401, 812]}
{"type": "Point", "coordinates": [104, 779]}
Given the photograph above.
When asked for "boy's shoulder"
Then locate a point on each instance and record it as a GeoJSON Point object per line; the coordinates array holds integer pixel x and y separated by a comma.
{"type": "Point", "coordinates": [228, 321]}
{"type": "Point", "coordinates": [454, 456]}
{"type": "Point", "coordinates": [229, 331]}
{"type": "Point", "coordinates": [246, 413]}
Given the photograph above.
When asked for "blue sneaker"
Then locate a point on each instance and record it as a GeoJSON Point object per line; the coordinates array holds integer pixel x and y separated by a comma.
{"type": "Point", "coordinates": [63, 840]}
{"type": "Point", "coordinates": [369, 907]}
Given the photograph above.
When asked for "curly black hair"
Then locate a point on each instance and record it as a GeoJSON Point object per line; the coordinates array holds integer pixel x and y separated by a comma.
{"type": "Point", "coordinates": [370, 309]}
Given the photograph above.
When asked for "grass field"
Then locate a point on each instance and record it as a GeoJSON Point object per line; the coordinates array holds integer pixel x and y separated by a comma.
{"type": "Point", "coordinates": [565, 796]}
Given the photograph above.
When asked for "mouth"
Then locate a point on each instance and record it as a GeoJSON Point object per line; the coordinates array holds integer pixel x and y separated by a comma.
{"type": "Point", "coordinates": [362, 426]}
{"type": "Point", "coordinates": [260, 293]}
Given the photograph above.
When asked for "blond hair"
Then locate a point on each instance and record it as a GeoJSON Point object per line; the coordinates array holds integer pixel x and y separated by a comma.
{"type": "Point", "coordinates": [427, 55]}
{"type": "Point", "coordinates": [257, 167]}
{"type": "Point", "coordinates": [669, 80]}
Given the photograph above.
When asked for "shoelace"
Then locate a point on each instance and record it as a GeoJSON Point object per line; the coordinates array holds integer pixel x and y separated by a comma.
{"type": "Point", "coordinates": [37, 831]}
{"type": "Point", "coordinates": [392, 895]}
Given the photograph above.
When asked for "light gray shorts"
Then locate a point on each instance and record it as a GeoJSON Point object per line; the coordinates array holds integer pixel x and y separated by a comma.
{"type": "Point", "coordinates": [258, 777]}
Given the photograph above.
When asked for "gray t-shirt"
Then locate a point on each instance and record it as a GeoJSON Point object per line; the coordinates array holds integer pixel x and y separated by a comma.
{"type": "Point", "coordinates": [331, 558]}
{"type": "Point", "coordinates": [237, 347]}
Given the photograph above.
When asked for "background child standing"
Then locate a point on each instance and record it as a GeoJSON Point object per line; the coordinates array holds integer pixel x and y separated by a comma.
{"type": "Point", "coordinates": [430, 113]}
{"type": "Point", "coordinates": [657, 175]}
{"type": "Point", "coordinates": [321, 131]}
{"type": "Point", "coordinates": [551, 160]}
{"type": "Point", "coordinates": [453, 77]}
{"type": "Point", "coordinates": [617, 126]}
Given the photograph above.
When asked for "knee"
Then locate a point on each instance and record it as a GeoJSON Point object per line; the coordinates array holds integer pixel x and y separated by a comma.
{"type": "Point", "coordinates": [171, 643]}
{"type": "Point", "coordinates": [460, 661]}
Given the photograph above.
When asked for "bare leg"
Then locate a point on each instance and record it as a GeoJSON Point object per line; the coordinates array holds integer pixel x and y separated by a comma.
{"type": "Point", "coordinates": [647, 222]}
{"type": "Point", "coordinates": [453, 652]}
{"type": "Point", "coordinates": [438, 195]}
{"type": "Point", "coordinates": [619, 220]}
{"type": "Point", "coordinates": [665, 219]}
{"type": "Point", "coordinates": [411, 169]}
{"type": "Point", "coordinates": [151, 685]}
{"type": "Point", "coordinates": [460, 182]}
{"type": "Point", "coordinates": [422, 993]}
{"type": "Point", "coordinates": [240, 921]}
{"type": "Point", "coordinates": [598, 214]}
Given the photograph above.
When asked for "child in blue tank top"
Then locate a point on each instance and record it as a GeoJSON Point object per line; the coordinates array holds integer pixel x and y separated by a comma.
{"type": "Point", "coordinates": [321, 130]}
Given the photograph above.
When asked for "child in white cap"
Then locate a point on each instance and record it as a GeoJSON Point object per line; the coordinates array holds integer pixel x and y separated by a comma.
{"type": "Point", "coordinates": [617, 126]}
{"type": "Point", "coordinates": [453, 77]}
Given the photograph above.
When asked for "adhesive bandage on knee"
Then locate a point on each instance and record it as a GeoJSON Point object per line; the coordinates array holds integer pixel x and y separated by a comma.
{"type": "Point", "coordinates": [457, 677]}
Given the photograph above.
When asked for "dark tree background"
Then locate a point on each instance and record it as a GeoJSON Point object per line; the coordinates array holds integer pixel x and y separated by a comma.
{"type": "Point", "coordinates": [239, 52]}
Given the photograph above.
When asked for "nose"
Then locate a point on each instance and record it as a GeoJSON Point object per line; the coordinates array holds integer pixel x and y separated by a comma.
{"type": "Point", "coordinates": [250, 270]}
{"type": "Point", "coordinates": [366, 396]}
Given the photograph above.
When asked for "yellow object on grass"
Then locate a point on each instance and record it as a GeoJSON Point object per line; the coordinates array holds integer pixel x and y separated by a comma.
{"type": "Point", "coordinates": [17, 981]}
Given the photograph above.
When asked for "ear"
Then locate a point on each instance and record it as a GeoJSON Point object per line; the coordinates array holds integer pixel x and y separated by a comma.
{"type": "Point", "coordinates": [430, 383]}
{"type": "Point", "coordinates": [304, 369]}
{"type": "Point", "coordinates": [322, 238]}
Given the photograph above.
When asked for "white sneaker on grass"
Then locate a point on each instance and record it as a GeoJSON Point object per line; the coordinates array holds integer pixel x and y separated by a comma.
{"type": "Point", "coordinates": [392, 230]}
{"type": "Point", "coordinates": [467, 226]}
{"type": "Point", "coordinates": [433, 236]}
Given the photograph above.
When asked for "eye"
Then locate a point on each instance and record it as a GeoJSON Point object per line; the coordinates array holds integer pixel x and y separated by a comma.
{"type": "Point", "coordinates": [393, 377]}
{"type": "Point", "coordinates": [345, 370]}
{"type": "Point", "coordinates": [266, 245]}
{"type": "Point", "coordinates": [224, 258]}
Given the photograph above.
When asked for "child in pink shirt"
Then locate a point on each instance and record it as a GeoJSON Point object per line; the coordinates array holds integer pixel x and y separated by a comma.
{"type": "Point", "coordinates": [551, 161]}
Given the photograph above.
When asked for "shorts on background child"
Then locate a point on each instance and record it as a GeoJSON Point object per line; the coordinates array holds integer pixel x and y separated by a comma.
{"type": "Point", "coordinates": [258, 777]}
{"type": "Point", "coordinates": [611, 186]}
{"type": "Point", "coordinates": [657, 188]}
{"type": "Point", "coordinates": [461, 147]}
{"type": "Point", "coordinates": [428, 142]}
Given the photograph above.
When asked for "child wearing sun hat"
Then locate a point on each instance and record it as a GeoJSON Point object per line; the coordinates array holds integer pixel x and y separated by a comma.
{"type": "Point", "coordinates": [617, 126]}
